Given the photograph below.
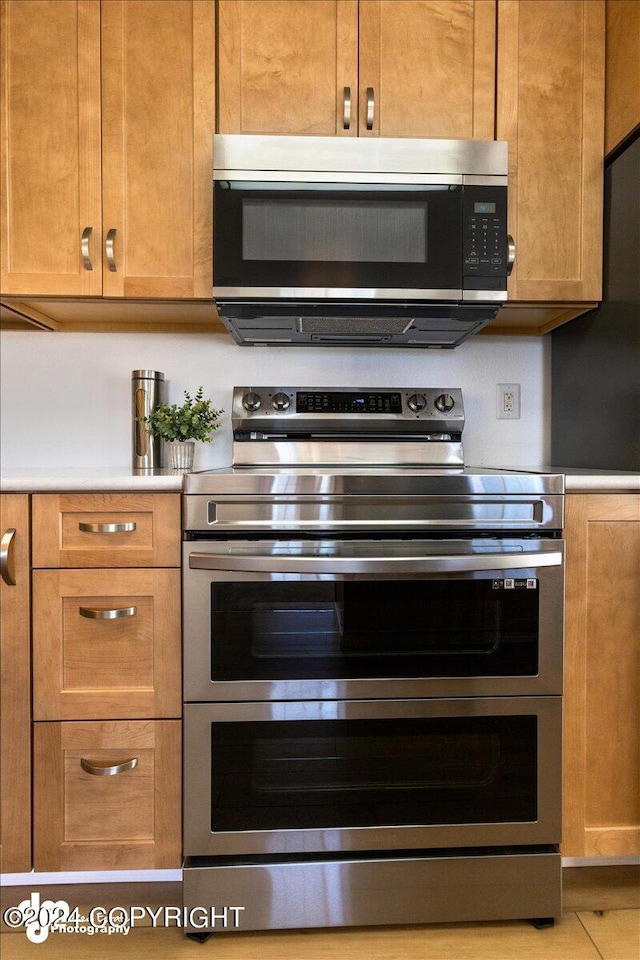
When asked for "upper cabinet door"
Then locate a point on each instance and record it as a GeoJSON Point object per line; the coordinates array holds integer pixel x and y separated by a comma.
{"type": "Point", "coordinates": [288, 68]}
{"type": "Point", "coordinates": [551, 110]}
{"type": "Point", "coordinates": [131, 216]}
{"type": "Point", "coordinates": [427, 68]}
{"type": "Point", "coordinates": [50, 164]}
{"type": "Point", "coordinates": [420, 68]}
{"type": "Point", "coordinates": [157, 121]}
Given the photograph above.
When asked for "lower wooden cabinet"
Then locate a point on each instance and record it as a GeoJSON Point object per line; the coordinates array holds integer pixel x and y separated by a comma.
{"type": "Point", "coordinates": [107, 795]}
{"type": "Point", "coordinates": [602, 671]}
{"type": "Point", "coordinates": [106, 644]}
{"type": "Point", "coordinates": [106, 530]}
{"type": "Point", "coordinates": [106, 681]}
{"type": "Point", "coordinates": [15, 690]}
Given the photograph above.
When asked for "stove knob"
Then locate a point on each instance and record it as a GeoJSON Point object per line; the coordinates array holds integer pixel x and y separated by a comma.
{"type": "Point", "coordinates": [280, 401]}
{"type": "Point", "coordinates": [417, 402]}
{"type": "Point", "coordinates": [445, 402]}
{"type": "Point", "coordinates": [251, 401]}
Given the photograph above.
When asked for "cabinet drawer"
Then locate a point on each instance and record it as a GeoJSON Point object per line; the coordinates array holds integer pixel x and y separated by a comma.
{"type": "Point", "coordinates": [86, 819]}
{"type": "Point", "coordinates": [106, 530]}
{"type": "Point", "coordinates": [106, 644]}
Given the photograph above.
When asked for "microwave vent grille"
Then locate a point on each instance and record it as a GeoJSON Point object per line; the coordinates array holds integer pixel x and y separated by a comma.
{"type": "Point", "coordinates": [355, 326]}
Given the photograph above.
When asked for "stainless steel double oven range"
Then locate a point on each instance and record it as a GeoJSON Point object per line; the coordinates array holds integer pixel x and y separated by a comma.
{"type": "Point", "coordinates": [372, 671]}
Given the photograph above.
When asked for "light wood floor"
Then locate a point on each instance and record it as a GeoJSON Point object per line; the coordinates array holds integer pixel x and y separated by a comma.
{"type": "Point", "coordinates": [601, 921]}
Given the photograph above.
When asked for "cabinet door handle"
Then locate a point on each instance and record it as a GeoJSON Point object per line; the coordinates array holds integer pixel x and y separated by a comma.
{"type": "Point", "coordinates": [109, 248]}
{"type": "Point", "coordinates": [511, 253]}
{"type": "Point", "coordinates": [371, 107]}
{"type": "Point", "coordinates": [346, 108]}
{"type": "Point", "coordinates": [84, 248]}
{"type": "Point", "coordinates": [116, 614]}
{"type": "Point", "coordinates": [106, 527]}
{"type": "Point", "coordinates": [6, 557]}
{"type": "Point", "coordinates": [107, 770]}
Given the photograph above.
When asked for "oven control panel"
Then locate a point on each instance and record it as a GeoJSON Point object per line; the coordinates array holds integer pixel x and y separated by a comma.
{"type": "Point", "coordinates": [346, 410]}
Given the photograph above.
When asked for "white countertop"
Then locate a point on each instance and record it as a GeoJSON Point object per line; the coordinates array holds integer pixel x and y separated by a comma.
{"type": "Point", "coordinates": [588, 480]}
{"type": "Point", "coordinates": [79, 479]}
{"type": "Point", "coordinates": [85, 479]}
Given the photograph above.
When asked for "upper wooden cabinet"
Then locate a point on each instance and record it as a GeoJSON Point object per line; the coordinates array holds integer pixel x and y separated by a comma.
{"type": "Point", "coordinates": [421, 68]}
{"type": "Point", "coordinates": [622, 81]}
{"type": "Point", "coordinates": [108, 113]}
{"type": "Point", "coordinates": [550, 109]}
{"type": "Point", "coordinates": [106, 166]}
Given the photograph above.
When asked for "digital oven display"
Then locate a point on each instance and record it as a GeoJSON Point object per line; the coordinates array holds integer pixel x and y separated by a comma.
{"type": "Point", "coordinates": [348, 403]}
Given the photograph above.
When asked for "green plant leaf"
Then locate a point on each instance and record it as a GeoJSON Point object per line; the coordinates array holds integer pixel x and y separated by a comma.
{"type": "Point", "coordinates": [195, 419]}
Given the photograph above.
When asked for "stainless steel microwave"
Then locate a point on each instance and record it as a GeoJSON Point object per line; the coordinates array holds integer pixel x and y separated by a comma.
{"type": "Point", "coordinates": [372, 242]}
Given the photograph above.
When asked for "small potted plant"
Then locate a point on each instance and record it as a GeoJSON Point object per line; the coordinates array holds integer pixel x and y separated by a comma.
{"type": "Point", "coordinates": [181, 426]}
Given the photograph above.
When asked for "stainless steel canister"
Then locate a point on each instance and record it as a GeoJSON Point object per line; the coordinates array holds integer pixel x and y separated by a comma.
{"type": "Point", "coordinates": [147, 393]}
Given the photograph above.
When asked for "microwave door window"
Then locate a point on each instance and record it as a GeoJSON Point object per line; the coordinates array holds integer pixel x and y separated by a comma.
{"type": "Point", "coordinates": [334, 231]}
{"type": "Point", "coordinates": [337, 235]}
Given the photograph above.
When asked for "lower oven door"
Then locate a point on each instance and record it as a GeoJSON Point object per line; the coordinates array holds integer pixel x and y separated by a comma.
{"type": "Point", "coordinates": [331, 619]}
{"type": "Point", "coordinates": [297, 777]}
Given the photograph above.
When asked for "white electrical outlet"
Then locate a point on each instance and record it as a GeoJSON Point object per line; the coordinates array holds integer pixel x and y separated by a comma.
{"type": "Point", "coordinates": [508, 401]}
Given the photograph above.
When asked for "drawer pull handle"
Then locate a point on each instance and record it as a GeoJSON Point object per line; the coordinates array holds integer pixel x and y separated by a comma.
{"type": "Point", "coordinates": [106, 527]}
{"type": "Point", "coordinates": [92, 614]}
{"type": "Point", "coordinates": [107, 770]}
{"type": "Point", "coordinates": [6, 565]}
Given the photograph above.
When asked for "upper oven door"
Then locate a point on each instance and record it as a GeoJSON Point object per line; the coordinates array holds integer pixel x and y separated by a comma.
{"type": "Point", "coordinates": [326, 239]}
{"type": "Point", "coordinates": [295, 620]}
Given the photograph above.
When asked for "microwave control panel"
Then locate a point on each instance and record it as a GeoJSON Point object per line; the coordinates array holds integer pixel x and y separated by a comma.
{"type": "Point", "coordinates": [484, 231]}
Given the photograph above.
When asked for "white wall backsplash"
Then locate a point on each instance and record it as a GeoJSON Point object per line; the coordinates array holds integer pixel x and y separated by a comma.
{"type": "Point", "coordinates": [66, 397]}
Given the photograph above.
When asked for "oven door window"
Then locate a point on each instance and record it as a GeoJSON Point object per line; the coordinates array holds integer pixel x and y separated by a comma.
{"type": "Point", "coordinates": [337, 235]}
{"type": "Point", "coordinates": [342, 630]}
{"type": "Point", "coordinates": [301, 774]}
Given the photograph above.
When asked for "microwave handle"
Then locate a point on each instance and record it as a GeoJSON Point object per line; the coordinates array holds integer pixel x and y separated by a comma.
{"type": "Point", "coordinates": [511, 253]}
{"type": "Point", "coordinates": [373, 564]}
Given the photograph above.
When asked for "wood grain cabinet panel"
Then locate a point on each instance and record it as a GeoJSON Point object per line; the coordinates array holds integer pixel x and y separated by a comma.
{"type": "Point", "coordinates": [550, 109]}
{"type": "Point", "coordinates": [15, 686]}
{"type": "Point", "coordinates": [602, 685]}
{"type": "Point", "coordinates": [622, 84]}
{"type": "Point", "coordinates": [283, 67]}
{"type": "Point", "coordinates": [106, 644]}
{"type": "Point", "coordinates": [106, 530]}
{"type": "Point", "coordinates": [50, 164]}
{"type": "Point", "coordinates": [431, 67]}
{"type": "Point", "coordinates": [157, 124]}
{"type": "Point", "coordinates": [288, 68]}
{"type": "Point", "coordinates": [107, 126]}
{"type": "Point", "coordinates": [85, 820]}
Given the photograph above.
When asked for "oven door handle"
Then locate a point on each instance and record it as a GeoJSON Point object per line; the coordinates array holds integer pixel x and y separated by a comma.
{"type": "Point", "coordinates": [425, 564]}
